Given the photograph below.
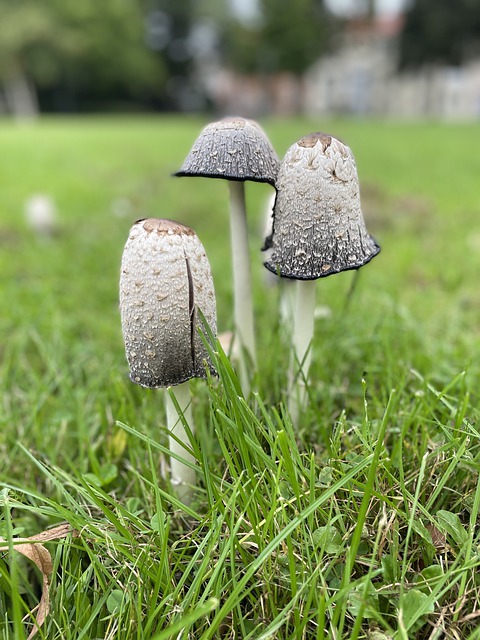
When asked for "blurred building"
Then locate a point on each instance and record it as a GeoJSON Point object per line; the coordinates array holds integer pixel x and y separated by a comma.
{"type": "Point", "coordinates": [359, 78]}
{"type": "Point", "coordinates": [362, 78]}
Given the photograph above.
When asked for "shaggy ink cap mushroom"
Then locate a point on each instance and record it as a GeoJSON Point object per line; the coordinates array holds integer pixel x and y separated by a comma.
{"type": "Point", "coordinates": [236, 150]}
{"type": "Point", "coordinates": [165, 287]}
{"type": "Point", "coordinates": [318, 230]}
{"type": "Point", "coordinates": [318, 226]}
{"type": "Point", "coordinates": [232, 149]}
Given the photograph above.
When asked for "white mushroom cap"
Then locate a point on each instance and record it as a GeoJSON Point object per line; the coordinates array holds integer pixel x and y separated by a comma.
{"type": "Point", "coordinates": [232, 149]}
{"type": "Point", "coordinates": [318, 226]}
{"type": "Point", "coordinates": [165, 282]}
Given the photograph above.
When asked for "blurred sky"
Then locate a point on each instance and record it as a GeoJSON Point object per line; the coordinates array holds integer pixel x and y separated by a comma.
{"type": "Point", "coordinates": [352, 7]}
{"type": "Point", "coordinates": [247, 9]}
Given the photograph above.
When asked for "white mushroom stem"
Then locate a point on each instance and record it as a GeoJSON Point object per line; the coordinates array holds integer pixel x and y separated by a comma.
{"type": "Point", "coordinates": [288, 294]}
{"type": "Point", "coordinates": [303, 327]}
{"type": "Point", "coordinates": [182, 476]}
{"type": "Point", "coordinates": [242, 288]}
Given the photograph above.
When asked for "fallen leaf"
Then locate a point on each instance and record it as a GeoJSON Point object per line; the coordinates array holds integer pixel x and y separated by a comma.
{"type": "Point", "coordinates": [33, 549]}
{"type": "Point", "coordinates": [439, 539]}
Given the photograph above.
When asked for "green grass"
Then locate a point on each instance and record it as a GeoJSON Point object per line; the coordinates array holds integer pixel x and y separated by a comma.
{"type": "Point", "coordinates": [362, 522]}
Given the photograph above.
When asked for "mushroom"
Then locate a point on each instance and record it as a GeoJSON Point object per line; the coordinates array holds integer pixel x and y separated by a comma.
{"type": "Point", "coordinates": [236, 149]}
{"type": "Point", "coordinates": [318, 230]}
{"type": "Point", "coordinates": [41, 215]}
{"type": "Point", "coordinates": [166, 291]}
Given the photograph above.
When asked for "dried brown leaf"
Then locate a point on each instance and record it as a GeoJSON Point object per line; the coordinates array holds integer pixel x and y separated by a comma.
{"type": "Point", "coordinates": [33, 549]}
{"type": "Point", "coordinates": [439, 539]}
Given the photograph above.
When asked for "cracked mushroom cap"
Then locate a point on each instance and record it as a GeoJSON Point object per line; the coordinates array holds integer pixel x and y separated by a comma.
{"type": "Point", "coordinates": [232, 149]}
{"type": "Point", "coordinates": [318, 226]}
{"type": "Point", "coordinates": [165, 287]}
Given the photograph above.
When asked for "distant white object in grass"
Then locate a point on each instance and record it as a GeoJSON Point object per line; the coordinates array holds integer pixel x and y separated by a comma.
{"type": "Point", "coordinates": [121, 208]}
{"type": "Point", "coordinates": [41, 215]}
{"type": "Point", "coordinates": [236, 149]}
{"type": "Point", "coordinates": [318, 230]}
{"type": "Point", "coordinates": [166, 294]}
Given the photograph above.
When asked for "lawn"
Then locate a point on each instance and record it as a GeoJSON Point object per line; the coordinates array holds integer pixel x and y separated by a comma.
{"type": "Point", "coordinates": [361, 521]}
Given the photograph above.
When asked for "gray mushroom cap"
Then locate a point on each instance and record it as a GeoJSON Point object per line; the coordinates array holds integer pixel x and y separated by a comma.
{"type": "Point", "coordinates": [232, 149]}
{"type": "Point", "coordinates": [165, 283]}
{"type": "Point", "coordinates": [318, 226]}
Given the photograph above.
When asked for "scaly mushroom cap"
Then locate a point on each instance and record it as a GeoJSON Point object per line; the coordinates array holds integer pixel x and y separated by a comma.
{"type": "Point", "coordinates": [318, 226]}
{"type": "Point", "coordinates": [165, 281]}
{"type": "Point", "coordinates": [232, 149]}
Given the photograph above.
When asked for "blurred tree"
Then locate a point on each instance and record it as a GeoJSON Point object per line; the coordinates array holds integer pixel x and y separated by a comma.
{"type": "Point", "coordinates": [169, 25]}
{"type": "Point", "coordinates": [440, 31]}
{"type": "Point", "coordinates": [288, 36]}
{"type": "Point", "coordinates": [85, 54]}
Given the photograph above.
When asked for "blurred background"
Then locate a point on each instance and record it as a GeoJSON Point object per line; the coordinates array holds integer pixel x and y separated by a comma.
{"type": "Point", "coordinates": [401, 58]}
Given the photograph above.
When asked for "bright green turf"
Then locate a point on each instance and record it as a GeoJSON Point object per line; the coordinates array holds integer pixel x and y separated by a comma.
{"type": "Point", "coordinates": [323, 531]}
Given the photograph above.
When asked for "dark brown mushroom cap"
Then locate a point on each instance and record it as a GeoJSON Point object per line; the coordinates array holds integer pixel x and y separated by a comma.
{"type": "Point", "coordinates": [232, 149]}
{"type": "Point", "coordinates": [318, 226]}
{"type": "Point", "coordinates": [165, 283]}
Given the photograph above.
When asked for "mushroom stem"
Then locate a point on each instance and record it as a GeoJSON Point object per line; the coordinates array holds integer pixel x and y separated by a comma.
{"type": "Point", "coordinates": [303, 326]}
{"type": "Point", "coordinates": [182, 476]}
{"type": "Point", "coordinates": [287, 303]}
{"type": "Point", "coordinates": [242, 288]}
